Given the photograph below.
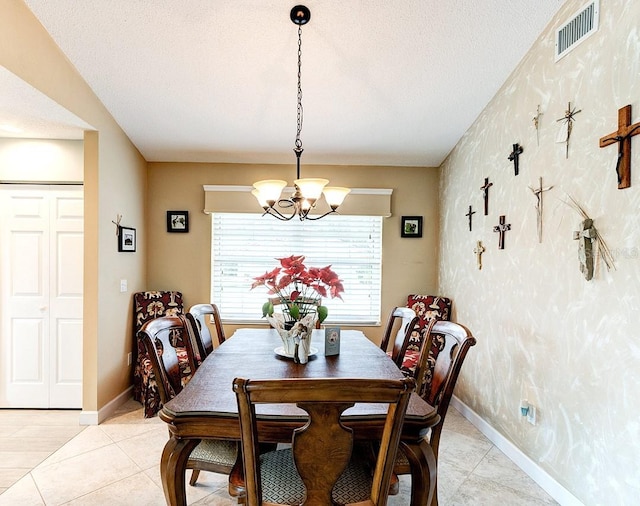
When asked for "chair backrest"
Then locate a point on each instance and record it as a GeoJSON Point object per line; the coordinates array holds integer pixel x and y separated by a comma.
{"type": "Point", "coordinates": [153, 304]}
{"type": "Point", "coordinates": [303, 303]}
{"type": "Point", "coordinates": [450, 344]}
{"type": "Point", "coordinates": [408, 319]}
{"type": "Point", "coordinates": [159, 337]}
{"type": "Point", "coordinates": [199, 330]}
{"type": "Point", "coordinates": [322, 448]}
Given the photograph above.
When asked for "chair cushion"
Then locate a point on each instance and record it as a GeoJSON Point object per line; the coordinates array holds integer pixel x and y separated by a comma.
{"type": "Point", "coordinates": [216, 452]}
{"type": "Point", "coordinates": [282, 484]}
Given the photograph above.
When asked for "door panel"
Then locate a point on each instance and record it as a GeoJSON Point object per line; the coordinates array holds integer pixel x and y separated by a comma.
{"type": "Point", "coordinates": [41, 262]}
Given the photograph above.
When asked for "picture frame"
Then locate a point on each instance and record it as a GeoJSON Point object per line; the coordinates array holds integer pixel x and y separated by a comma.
{"type": "Point", "coordinates": [411, 226]}
{"type": "Point", "coordinates": [126, 239]}
{"type": "Point", "coordinates": [178, 221]}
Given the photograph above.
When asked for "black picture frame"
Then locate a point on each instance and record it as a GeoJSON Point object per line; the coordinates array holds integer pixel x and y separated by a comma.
{"type": "Point", "coordinates": [411, 226]}
{"type": "Point", "coordinates": [126, 240]}
{"type": "Point", "coordinates": [178, 221]}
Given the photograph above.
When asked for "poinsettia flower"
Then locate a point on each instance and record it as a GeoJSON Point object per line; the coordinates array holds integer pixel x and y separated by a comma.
{"type": "Point", "coordinates": [265, 278]}
{"type": "Point", "coordinates": [293, 264]}
{"type": "Point", "coordinates": [299, 288]}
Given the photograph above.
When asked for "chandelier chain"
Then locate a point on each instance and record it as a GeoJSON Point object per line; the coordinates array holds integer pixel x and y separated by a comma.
{"type": "Point", "coordinates": [298, 142]}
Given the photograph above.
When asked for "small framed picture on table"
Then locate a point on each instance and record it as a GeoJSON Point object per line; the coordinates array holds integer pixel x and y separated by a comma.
{"type": "Point", "coordinates": [411, 226]}
{"type": "Point", "coordinates": [178, 221]}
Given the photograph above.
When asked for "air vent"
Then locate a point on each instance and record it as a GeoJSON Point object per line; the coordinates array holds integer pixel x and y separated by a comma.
{"type": "Point", "coordinates": [581, 25]}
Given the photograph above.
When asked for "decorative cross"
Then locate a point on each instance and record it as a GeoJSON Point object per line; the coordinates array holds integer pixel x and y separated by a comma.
{"type": "Point", "coordinates": [515, 155]}
{"type": "Point", "coordinates": [537, 192]}
{"type": "Point", "coordinates": [501, 229]}
{"type": "Point", "coordinates": [623, 137]}
{"type": "Point", "coordinates": [470, 215]}
{"type": "Point", "coordinates": [536, 124]}
{"type": "Point", "coordinates": [117, 223]}
{"type": "Point", "coordinates": [568, 119]}
{"type": "Point", "coordinates": [479, 250]}
{"type": "Point", "coordinates": [586, 235]}
{"type": "Point", "coordinates": [485, 194]}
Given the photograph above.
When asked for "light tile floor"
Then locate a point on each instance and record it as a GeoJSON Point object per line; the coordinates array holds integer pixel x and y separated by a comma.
{"type": "Point", "coordinates": [46, 458]}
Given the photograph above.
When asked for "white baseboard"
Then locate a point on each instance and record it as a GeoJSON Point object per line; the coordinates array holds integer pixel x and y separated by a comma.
{"type": "Point", "coordinates": [535, 472]}
{"type": "Point", "coordinates": [97, 417]}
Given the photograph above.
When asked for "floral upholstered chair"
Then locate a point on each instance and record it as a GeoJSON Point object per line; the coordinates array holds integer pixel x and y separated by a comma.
{"type": "Point", "coordinates": [148, 306]}
{"type": "Point", "coordinates": [429, 309]}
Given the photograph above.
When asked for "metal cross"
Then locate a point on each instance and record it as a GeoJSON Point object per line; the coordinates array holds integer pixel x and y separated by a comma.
{"type": "Point", "coordinates": [470, 215]}
{"type": "Point", "coordinates": [479, 250]}
{"type": "Point", "coordinates": [485, 194]}
{"type": "Point", "coordinates": [501, 229]}
{"type": "Point", "coordinates": [568, 119]}
{"type": "Point", "coordinates": [537, 192]}
{"type": "Point", "coordinates": [536, 124]}
{"type": "Point", "coordinates": [514, 156]}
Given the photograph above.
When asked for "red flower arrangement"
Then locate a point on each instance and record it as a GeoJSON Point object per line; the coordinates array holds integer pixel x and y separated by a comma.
{"type": "Point", "coordinates": [299, 287]}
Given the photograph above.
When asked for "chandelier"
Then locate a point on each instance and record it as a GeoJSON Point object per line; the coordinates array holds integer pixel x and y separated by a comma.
{"type": "Point", "coordinates": [307, 191]}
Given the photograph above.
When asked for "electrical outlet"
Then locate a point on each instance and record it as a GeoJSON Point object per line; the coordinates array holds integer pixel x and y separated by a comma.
{"type": "Point", "coordinates": [123, 285]}
{"type": "Point", "coordinates": [129, 358]}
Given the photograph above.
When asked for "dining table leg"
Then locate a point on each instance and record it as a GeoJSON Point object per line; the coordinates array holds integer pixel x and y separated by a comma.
{"type": "Point", "coordinates": [172, 469]}
{"type": "Point", "coordinates": [423, 472]}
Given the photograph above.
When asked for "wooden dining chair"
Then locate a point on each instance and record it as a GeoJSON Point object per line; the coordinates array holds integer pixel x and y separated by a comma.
{"type": "Point", "coordinates": [402, 321]}
{"type": "Point", "coordinates": [320, 468]}
{"type": "Point", "coordinates": [159, 336]}
{"type": "Point", "coordinates": [199, 332]}
{"type": "Point", "coordinates": [441, 356]}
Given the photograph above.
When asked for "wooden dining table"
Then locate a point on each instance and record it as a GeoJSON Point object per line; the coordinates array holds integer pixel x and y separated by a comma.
{"type": "Point", "coordinates": [207, 408]}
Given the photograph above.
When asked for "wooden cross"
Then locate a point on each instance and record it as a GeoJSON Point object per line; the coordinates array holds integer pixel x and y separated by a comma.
{"type": "Point", "coordinates": [514, 156]}
{"type": "Point", "coordinates": [623, 137]}
{"type": "Point", "coordinates": [485, 194]}
{"type": "Point", "coordinates": [501, 229]}
{"type": "Point", "coordinates": [479, 250]}
{"type": "Point", "coordinates": [470, 215]}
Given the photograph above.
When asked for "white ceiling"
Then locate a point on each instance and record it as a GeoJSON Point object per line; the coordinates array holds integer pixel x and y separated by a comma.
{"type": "Point", "coordinates": [385, 82]}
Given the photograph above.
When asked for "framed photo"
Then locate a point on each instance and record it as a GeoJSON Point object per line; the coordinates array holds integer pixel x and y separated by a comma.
{"type": "Point", "coordinates": [178, 221]}
{"type": "Point", "coordinates": [411, 226]}
{"type": "Point", "coordinates": [126, 239]}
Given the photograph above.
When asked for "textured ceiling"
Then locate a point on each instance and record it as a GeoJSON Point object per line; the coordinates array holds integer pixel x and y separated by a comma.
{"type": "Point", "coordinates": [385, 82]}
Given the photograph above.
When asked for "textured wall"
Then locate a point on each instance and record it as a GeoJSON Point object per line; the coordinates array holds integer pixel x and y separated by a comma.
{"type": "Point", "coordinates": [570, 346]}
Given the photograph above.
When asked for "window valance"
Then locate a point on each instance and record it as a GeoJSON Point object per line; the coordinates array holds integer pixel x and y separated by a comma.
{"type": "Point", "coordinates": [238, 199]}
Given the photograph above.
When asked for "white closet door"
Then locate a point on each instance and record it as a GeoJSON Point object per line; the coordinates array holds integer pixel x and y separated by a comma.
{"type": "Point", "coordinates": [41, 262]}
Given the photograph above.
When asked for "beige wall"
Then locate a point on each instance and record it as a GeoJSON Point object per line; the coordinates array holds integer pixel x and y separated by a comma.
{"type": "Point", "coordinates": [114, 183]}
{"type": "Point", "coordinates": [569, 345]}
{"type": "Point", "coordinates": [409, 265]}
{"type": "Point", "coordinates": [41, 160]}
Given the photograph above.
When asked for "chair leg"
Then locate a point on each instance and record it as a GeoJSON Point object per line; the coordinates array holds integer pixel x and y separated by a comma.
{"type": "Point", "coordinates": [194, 477]}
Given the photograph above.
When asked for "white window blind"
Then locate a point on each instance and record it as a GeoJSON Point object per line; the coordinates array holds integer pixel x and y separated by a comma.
{"type": "Point", "coordinates": [245, 246]}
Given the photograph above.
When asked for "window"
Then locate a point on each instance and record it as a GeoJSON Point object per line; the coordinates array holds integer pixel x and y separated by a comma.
{"type": "Point", "coordinates": [246, 245]}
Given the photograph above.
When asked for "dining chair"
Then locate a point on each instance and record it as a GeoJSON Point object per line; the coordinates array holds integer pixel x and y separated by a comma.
{"type": "Point", "coordinates": [320, 467]}
{"type": "Point", "coordinates": [442, 358]}
{"type": "Point", "coordinates": [147, 306]}
{"type": "Point", "coordinates": [158, 336]}
{"type": "Point", "coordinates": [198, 329]}
{"type": "Point", "coordinates": [407, 319]}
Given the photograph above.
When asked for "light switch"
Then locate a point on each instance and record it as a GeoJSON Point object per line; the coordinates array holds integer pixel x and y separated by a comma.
{"type": "Point", "coordinates": [123, 285]}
